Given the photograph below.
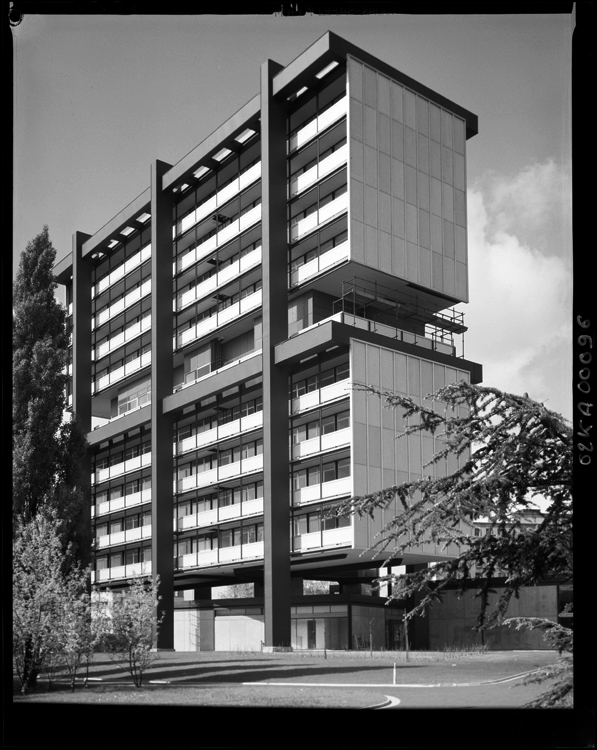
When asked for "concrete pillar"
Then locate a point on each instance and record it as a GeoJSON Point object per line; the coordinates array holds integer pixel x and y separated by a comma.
{"type": "Point", "coordinates": [275, 379]}
{"type": "Point", "coordinates": [161, 386]}
{"type": "Point", "coordinates": [82, 368]}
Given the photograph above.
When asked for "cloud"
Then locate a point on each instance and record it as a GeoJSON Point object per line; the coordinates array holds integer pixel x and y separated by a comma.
{"type": "Point", "coordinates": [535, 205]}
{"type": "Point", "coordinates": [519, 316]}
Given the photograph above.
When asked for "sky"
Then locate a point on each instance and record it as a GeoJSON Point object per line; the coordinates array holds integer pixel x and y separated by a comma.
{"type": "Point", "coordinates": [98, 98]}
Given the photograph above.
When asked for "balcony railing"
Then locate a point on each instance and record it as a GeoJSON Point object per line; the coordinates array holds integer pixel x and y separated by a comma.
{"type": "Point", "coordinates": [130, 299]}
{"type": "Point", "coordinates": [321, 443]}
{"type": "Point", "coordinates": [121, 372]}
{"type": "Point", "coordinates": [320, 123]}
{"type": "Point", "coordinates": [217, 240]}
{"type": "Point", "coordinates": [322, 491]}
{"type": "Point", "coordinates": [209, 373]}
{"type": "Point", "coordinates": [319, 396]}
{"type": "Point", "coordinates": [219, 474]}
{"type": "Point", "coordinates": [236, 427]}
{"type": "Point", "coordinates": [321, 263]}
{"type": "Point", "coordinates": [121, 271]}
{"type": "Point", "coordinates": [311, 222]}
{"type": "Point", "coordinates": [223, 555]}
{"type": "Point", "coordinates": [126, 501]}
{"type": "Point", "coordinates": [122, 537]}
{"type": "Point", "coordinates": [110, 472]}
{"type": "Point", "coordinates": [133, 570]}
{"type": "Point", "coordinates": [324, 538]}
{"type": "Point", "coordinates": [220, 318]}
{"type": "Point", "coordinates": [385, 330]}
{"type": "Point", "coordinates": [251, 260]}
{"type": "Point", "coordinates": [246, 178]}
{"type": "Point", "coordinates": [218, 515]}
{"type": "Point", "coordinates": [319, 171]}
{"type": "Point", "coordinates": [122, 338]}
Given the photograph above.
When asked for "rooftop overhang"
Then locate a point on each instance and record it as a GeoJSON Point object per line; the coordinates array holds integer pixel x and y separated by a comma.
{"type": "Point", "coordinates": [331, 333]}
{"type": "Point", "coordinates": [224, 137]}
{"type": "Point", "coordinates": [303, 70]}
{"type": "Point", "coordinates": [113, 230]}
{"type": "Point", "coordinates": [63, 270]}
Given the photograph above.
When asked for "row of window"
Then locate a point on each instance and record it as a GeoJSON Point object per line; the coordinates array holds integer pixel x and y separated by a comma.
{"type": "Point", "coordinates": [122, 490]}
{"type": "Point", "coordinates": [327, 472]}
{"type": "Point", "coordinates": [318, 204]}
{"type": "Point", "coordinates": [222, 458]}
{"type": "Point", "coordinates": [318, 520]}
{"type": "Point", "coordinates": [224, 416]}
{"type": "Point", "coordinates": [220, 265]}
{"type": "Point", "coordinates": [315, 252]}
{"type": "Point", "coordinates": [127, 523]}
{"type": "Point", "coordinates": [139, 449]}
{"type": "Point", "coordinates": [222, 539]}
{"type": "Point", "coordinates": [221, 499]}
{"type": "Point", "coordinates": [321, 426]}
{"type": "Point", "coordinates": [126, 557]}
{"type": "Point", "coordinates": [331, 375]}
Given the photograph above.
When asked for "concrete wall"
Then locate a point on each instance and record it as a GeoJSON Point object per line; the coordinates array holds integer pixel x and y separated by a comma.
{"type": "Point", "coordinates": [451, 623]}
{"type": "Point", "coordinates": [407, 183]}
{"type": "Point", "coordinates": [239, 632]}
{"type": "Point", "coordinates": [379, 459]}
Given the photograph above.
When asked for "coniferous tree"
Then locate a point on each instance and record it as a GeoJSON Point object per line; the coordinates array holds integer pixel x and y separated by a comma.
{"type": "Point", "coordinates": [512, 450]}
{"type": "Point", "coordinates": [47, 449]}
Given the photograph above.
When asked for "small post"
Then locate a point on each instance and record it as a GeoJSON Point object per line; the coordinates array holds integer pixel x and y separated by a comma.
{"type": "Point", "coordinates": [394, 680]}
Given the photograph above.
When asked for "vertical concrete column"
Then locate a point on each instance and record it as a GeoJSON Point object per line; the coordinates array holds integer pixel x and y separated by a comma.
{"type": "Point", "coordinates": [275, 379]}
{"type": "Point", "coordinates": [81, 299]}
{"type": "Point", "coordinates": [161, 386]}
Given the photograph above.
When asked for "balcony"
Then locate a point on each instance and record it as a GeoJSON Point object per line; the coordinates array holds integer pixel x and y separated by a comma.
{"type": "Point", "coordinates": [251, 260]}
{"type": "Point", "coordinates": [246, 178]}
{"type": "Point", "coordinates": [122, 537]}
{"type": "Point", "coordinates": [321, 443]}
{"type": "Point", "coordinates": [127, 301]}
{"type": "Point", "coordinates": [121, 372]}
{"type": "Point", "coordinates": [219, 515]}
{"type": "Point", "coordinates": [321, 539]}
{"type": "Point", "coordinates": [250, 551]}
{"type": "Point", "coordinates": [121, 271]}
{"type": "Point", "coordinates": [327, 260]}
{"type": "Point", "coordinates": [236, 427]}
{"type": "Point", "coordinates": [320, 396]}
{"type": "Point", "coordinates": [127, 501]}
{"type": "Point", "coordinates": [314, 220]}
{"type": "Point", "coordinates": [322, 491]}
{"type": "Point", "coordinates": [319, 124]}
{"type": "Point", "coordinates": [122, 338]}
{"type": "Point", "coordinates": [220, 318]}
{"type": "Point", "coordinates": [122, 572]}
{"type": "Point", "coordinates": [397, 334]}
{"type": "Point", "coordinates": [220, 474]}
{"type": "Point", "coordinates": [230, 231]}
{"type": "Point", "coordinates": [319, 171]}
{"type": "Point", "coordinates": [196, 375]}
{"type": "Point", "coordinates": [132, 464]}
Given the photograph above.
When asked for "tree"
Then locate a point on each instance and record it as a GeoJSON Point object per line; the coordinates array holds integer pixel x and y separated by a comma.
{"type": "Point", "coordinates": [511, 451]}
{"type": "Point", "coordinates": [47, 449]}
{"type": "Point", "coordinates": [133, 627]}
{"type": "Point", "coordinates": [48, 588]}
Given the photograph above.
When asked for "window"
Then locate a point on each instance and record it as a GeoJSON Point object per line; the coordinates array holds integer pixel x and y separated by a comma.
{"type": "Point", "coordinates": [132, 522]}
{"type": "Point", "coordinates": [230, 456]}
{"type": "Point", "coordinates": [131, 556]}
{"type": "Point", "coordinates": [116, 492]}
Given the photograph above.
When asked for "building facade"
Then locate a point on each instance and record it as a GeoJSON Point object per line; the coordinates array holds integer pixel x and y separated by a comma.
{"type": "Point", "coordinates": [315, 240]}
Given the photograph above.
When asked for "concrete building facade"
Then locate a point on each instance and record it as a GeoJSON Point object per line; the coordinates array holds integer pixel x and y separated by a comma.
{"type": "Point", "coordinates": [315, 240]}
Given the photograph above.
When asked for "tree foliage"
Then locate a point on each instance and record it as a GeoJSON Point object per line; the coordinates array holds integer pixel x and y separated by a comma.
{"type": "Point", "coordinates": [47, 450]}
{"type": "Point", "coordinates": [133, 627]}
{"type": "Point", "coordinates": [50, 601]}
{"type": "Point", "coordinates": [511, 450]}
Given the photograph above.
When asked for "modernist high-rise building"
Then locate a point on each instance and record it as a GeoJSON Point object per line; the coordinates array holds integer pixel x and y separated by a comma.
{"type": "Point", "coordinates": [315, 240]}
